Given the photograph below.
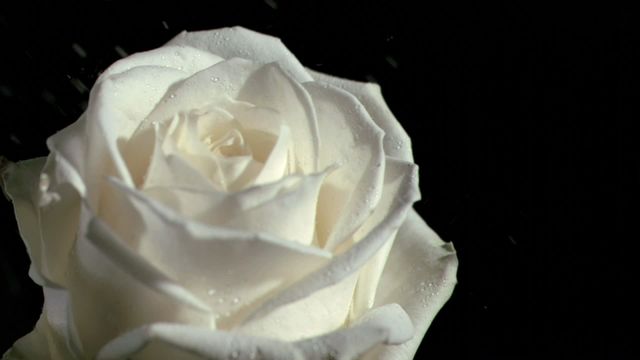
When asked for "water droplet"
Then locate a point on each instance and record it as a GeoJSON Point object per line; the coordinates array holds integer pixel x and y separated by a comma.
{"type": "Point", "coordinates": [226, 38]}
{"type": "Point", "coordinates": [172, 96]}
{"type": "Point", "coordinates": [81, 87]}
{"type": "Point", "coordinates": [236, 300]}
{"type": "Point", "coordinates": [393, 62]}
{"type": "Point", "coordinates": [44, 182]}
{"type": "Point", "coordinates": [211, 292]}
{"type": "Point", "coordinates": [165, 25]}
{"type": "Point", "coordinates": [5, 91]}
{"type": "Point", "coordinates": [220, 301]}
{"type": "Point", "coordinates": [234, 354]}
{"type": "Point", "coordinates": [79, 50]}
{"type": "Point", "coordinates": [14, 139]}
{"type": "Point", "coordinates": [120, 51]}
{"type": "Point", "coordinates": [215, 79]}
{"type": "Point", "coordinates": [272, 4]}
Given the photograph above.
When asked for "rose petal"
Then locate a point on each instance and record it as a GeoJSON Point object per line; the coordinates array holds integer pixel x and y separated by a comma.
{"type": "Point", "coordinates": [384, 325]}
{"type": "Point", "coordinates": [353, 141]}
{"type": "Point", "coordinates": [47, 220]}
{"type": "Point", "coordinates": [116, 106]}
{"type": "Point", "coordinates": [54, 336]}
{"type": "Point", "coordinates": [65, 164]}
{"type": "Point", "coordinates": [212, 262]}
{"type": "Point", "coordinates": [128, 261]}
{"type": "Point", "coordinates": [185, 59]}
{"type": "Point", "coordinates": [396, 173]}
{"type": "Point", "coordinates": [240, 42]}
{"type": "Point", "coordinates": [34, 345]}
{"type": "Point", "coordinates": [352, 260]}
{"type": "Point", "coordinates": [128, 291]}
{"type": "Point", "coordinates": [151, 166]}
{"type": "Point", "coordinates": [269, 86]}
{"type": "Point", "coordinates": [62, 333]}
{"type": "Point", "coordinates": [420, 276]}
{"type": "Point", "coordinates": [321, 312]}
{"type": "Point", "coordinates": [205, 88]}
{"type": "Point", "coordinates": [292, 199]}
{"type": "Point", "coordinates": [181, 342]}
{"type": "Point", "coordinates": [258, 122]}
{"type": "Point", "coordinates": [396, 141]}
{"type": "Point", "coordinates": [388, 324]}
{"type": "Point", "coordinates": [135, 93]}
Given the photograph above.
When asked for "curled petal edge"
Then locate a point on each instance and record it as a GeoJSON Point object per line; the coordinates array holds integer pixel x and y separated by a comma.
{"type": "Point", "coordinates": [388, 324]}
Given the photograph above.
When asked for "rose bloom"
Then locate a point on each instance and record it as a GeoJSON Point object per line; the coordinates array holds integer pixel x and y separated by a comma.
{"type": "Point", "coordinates": [219, 200]}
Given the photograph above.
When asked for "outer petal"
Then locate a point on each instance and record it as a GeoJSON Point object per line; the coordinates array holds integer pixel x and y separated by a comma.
{"type": "Point", "coordinates": [185, 59]}
{"type": "Point", "coordinates": [214, 84]}
{"type": "Point", "coordinates": [321, 312]}
{"type": "Point", "coordinates": [396, 176]}
{"type": "Point", "coordinates": [420, 276]}
{"type": "Point", "coordinates": [353, 141]}
{"type": "Point", "coordinates": [396, 142]}
{"type": "Point", "coordinates": [54, 335]}
{"type": "Point", "coordinates": [388, 324]}
{"type": "Point", "coordinates": [182, 342]}
{"type": "Point", "coordinates": [104, 274]}
{"type": "Point", "coordinates": [34, 345]}
{"type": "Point", "coordinates": [385, 325]}
{"type": "Point", "coordinates": [352, 260]}
{"type": "Point", "coordinates": [89, 146]}
{"type": "Point", "coordinates": [227, 269]}
{"type": "Point", "coordinates": [240, 42]}
{"type": "Point", "coordinates": [47, 220]}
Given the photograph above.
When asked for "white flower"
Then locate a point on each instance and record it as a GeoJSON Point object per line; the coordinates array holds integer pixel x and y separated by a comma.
{"type": "Point", "coordinates": [219, 200]}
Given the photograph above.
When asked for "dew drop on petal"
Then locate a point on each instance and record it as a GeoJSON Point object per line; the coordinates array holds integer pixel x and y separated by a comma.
{"type": "Point", "coordinates": [44, 182]}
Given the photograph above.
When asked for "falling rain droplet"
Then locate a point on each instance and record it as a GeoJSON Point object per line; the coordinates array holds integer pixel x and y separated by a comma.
{"type": "Point", "coordinates": [120, 51]}
{"type": "Point", "coordinates": [236, 300]}
{"type": "Point", "coordinates": [392, 62]}
{"type": "Point", "coordinates": [272, 4]}
{"type": "Point", "coordinates": [79, 50]}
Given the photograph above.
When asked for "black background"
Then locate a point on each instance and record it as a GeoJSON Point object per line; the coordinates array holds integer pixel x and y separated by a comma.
{"type": "Point", "coordinates": [520, 117]}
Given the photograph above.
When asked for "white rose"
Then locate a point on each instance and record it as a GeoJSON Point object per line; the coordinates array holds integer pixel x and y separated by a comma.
{"type": "Point", "coordinates": [219, 200]}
